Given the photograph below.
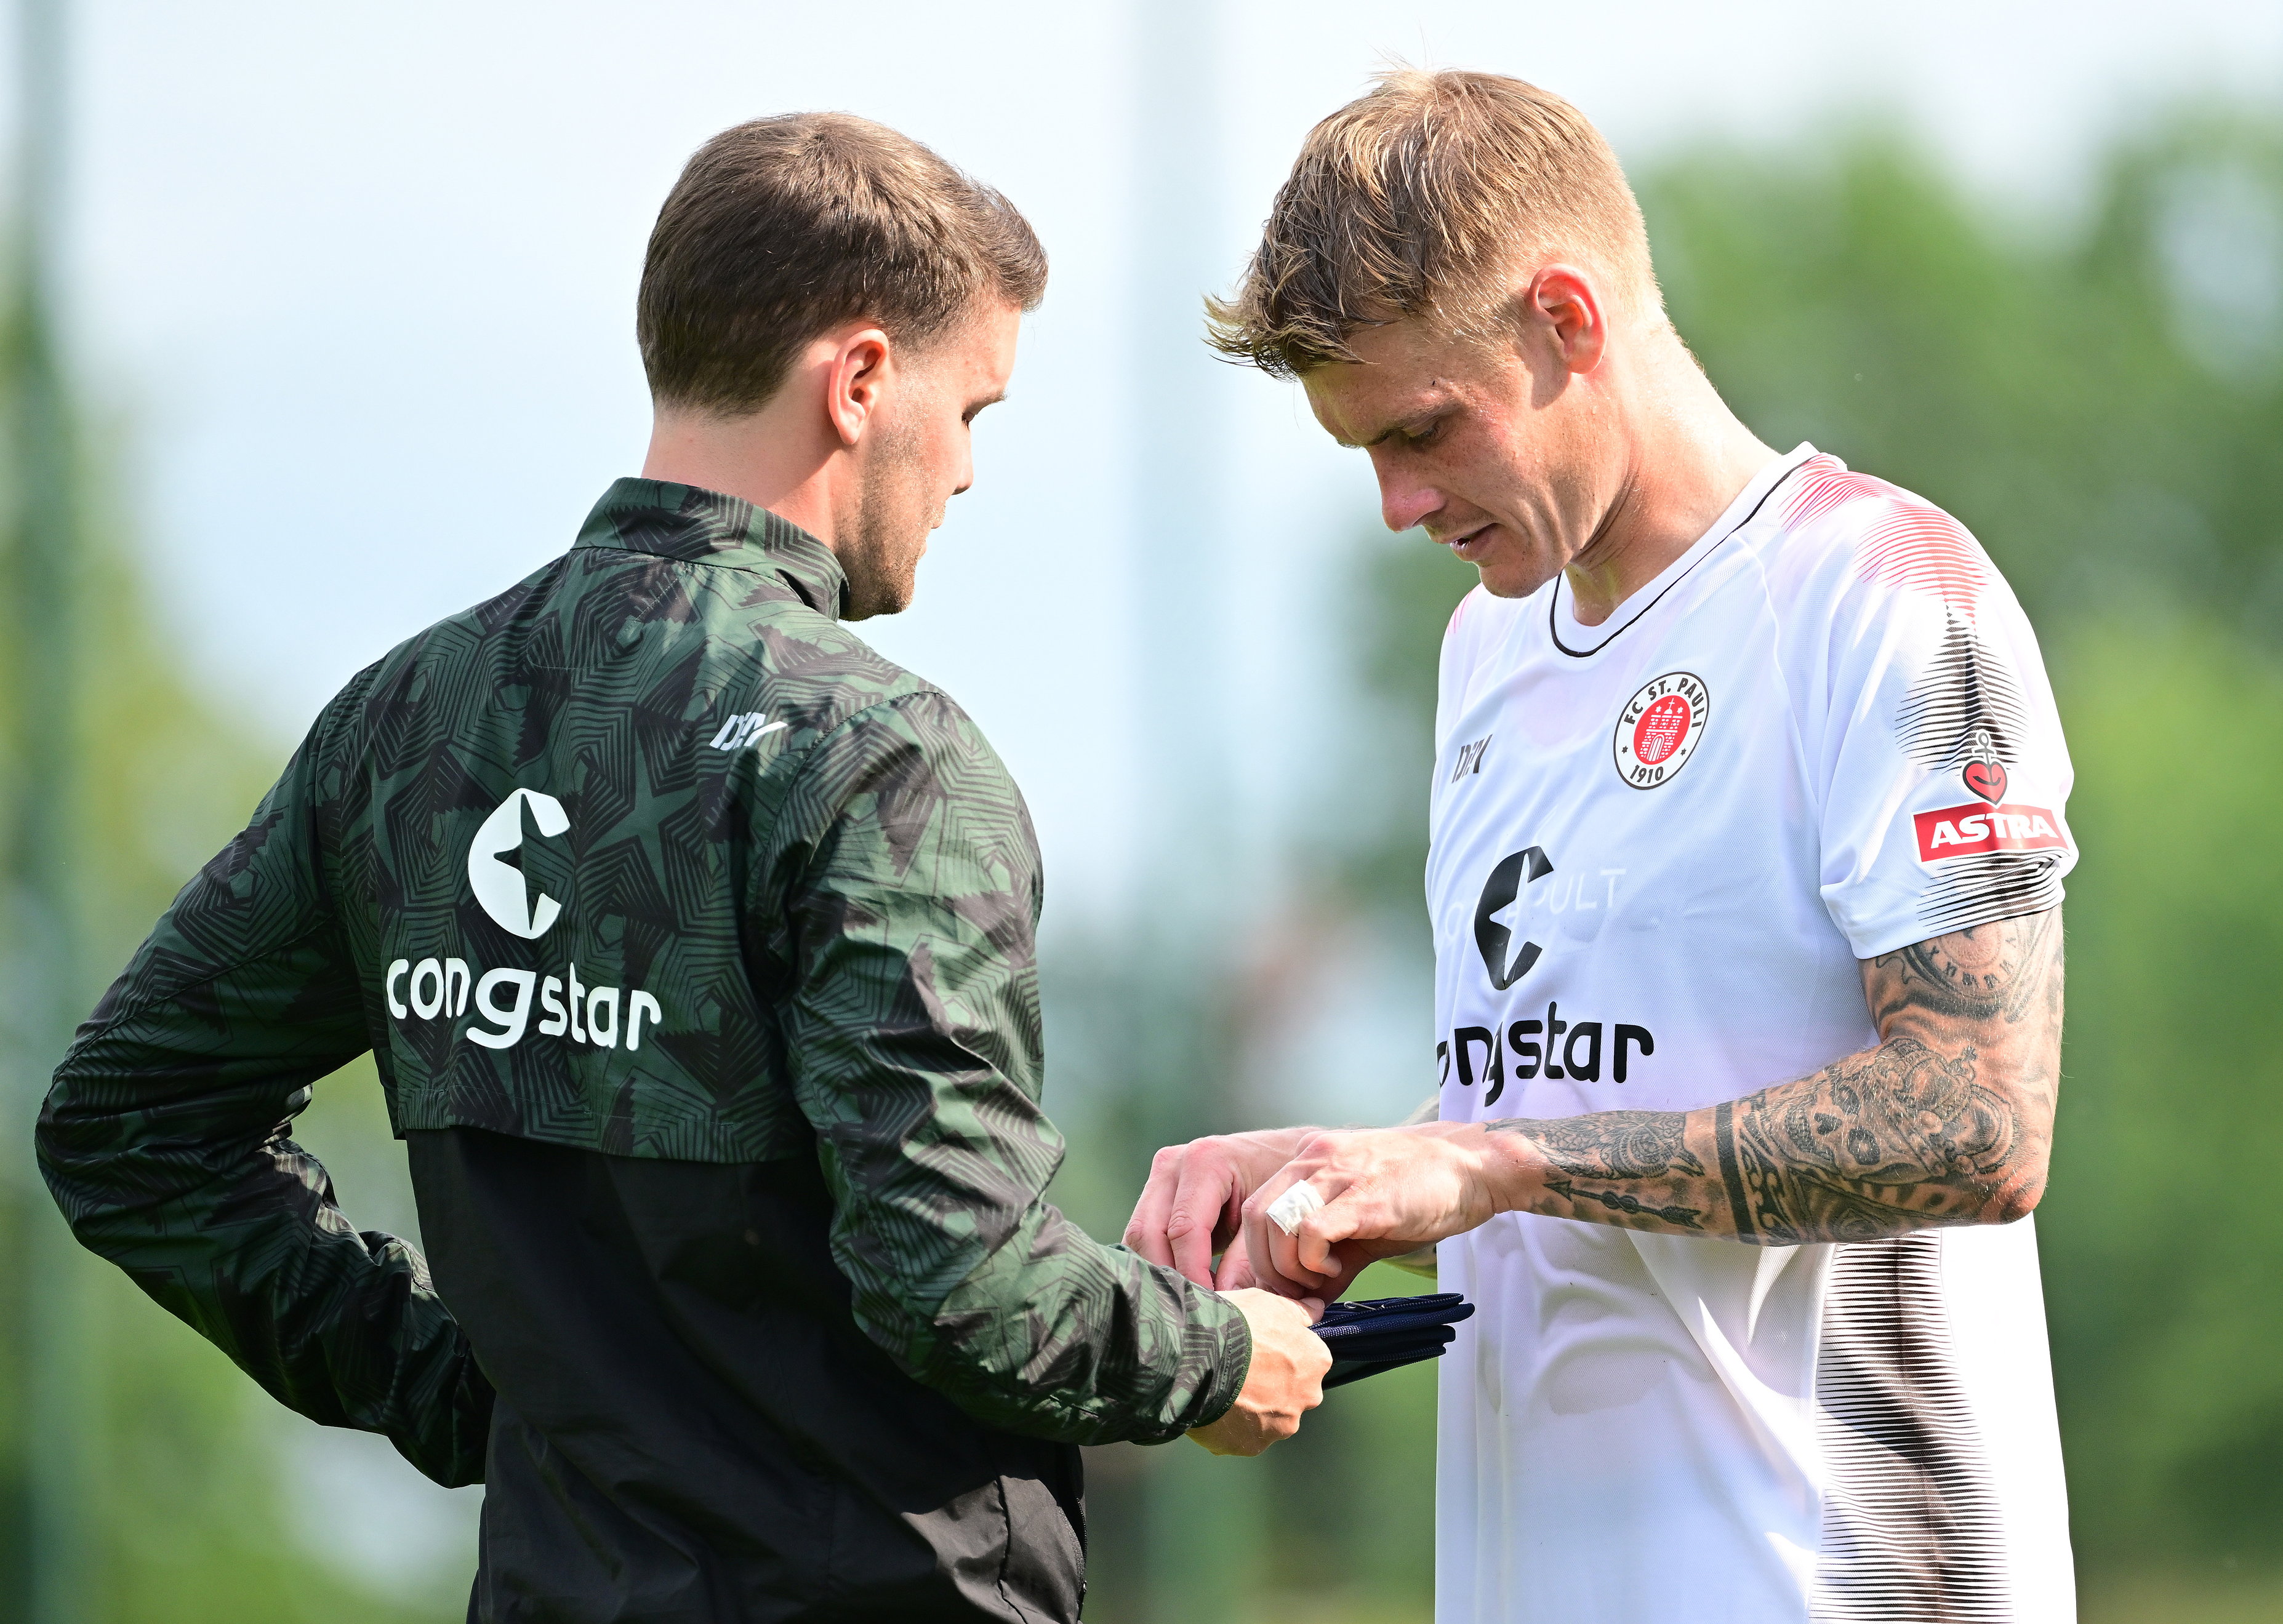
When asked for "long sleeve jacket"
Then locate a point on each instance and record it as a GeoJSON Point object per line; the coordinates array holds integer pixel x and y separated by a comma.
{"type": "Point", "coordinates": [649, 857]}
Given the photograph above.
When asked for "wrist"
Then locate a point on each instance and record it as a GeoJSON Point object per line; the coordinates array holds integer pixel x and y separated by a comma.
{"type": "Point", "coordinates": [1512, 1169]}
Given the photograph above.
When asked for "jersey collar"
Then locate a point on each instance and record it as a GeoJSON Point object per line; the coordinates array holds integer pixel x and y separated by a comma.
{"type": "Point", "coordinates": [701, 526]}
{"type": "Point", "coordinates": [1581, 642]}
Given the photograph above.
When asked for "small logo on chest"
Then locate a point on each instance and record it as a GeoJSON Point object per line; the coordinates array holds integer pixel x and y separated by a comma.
{"type": "Point", "coordinates": [741, 730]}
{"type": "Point", "coordinates": [1660, 728]}
{"type": "Point", "coordinates": [1469, 758]}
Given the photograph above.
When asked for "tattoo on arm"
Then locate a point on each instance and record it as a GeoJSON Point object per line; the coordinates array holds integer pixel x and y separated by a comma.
{"type": "Point", "coordinates": [1619, 1145]}
{"type": "Point", "coordinates": [1732, 1172]}
{"type": "Point", "coordinates": [2006, 972]}
{"type": "Point", "coordinates": [1948, 1121]}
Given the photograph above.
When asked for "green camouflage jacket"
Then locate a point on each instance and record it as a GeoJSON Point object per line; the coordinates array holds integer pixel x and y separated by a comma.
{"type": "Point", "coordinates": [646, 856]}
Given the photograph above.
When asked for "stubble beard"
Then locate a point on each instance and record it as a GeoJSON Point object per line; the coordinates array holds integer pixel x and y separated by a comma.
{"type": "Point", "coordinates": [881, 552]}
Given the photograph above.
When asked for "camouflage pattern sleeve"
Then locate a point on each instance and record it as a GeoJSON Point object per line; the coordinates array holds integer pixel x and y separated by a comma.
{"type": "Point", "coordinates": [908, 891]}
{"type": "Point", "coordinates": [165, 1140]}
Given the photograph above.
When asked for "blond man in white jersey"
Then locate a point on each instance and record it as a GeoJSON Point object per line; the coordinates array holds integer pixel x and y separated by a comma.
{"type": "Point", "coordinates": [1746, 876]}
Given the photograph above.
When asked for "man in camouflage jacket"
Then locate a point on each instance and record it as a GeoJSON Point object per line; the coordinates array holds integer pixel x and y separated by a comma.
{"type": "Point", "coordinates": [693, 941]}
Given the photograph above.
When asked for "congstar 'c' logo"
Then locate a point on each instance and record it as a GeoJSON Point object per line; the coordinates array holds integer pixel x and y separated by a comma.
{"type": "Point", "coordinates": [1507, 963]}
{"type": "Point", "coordinates": [495, 863]}
{"type": "Point", "coordinates": [507, 862]}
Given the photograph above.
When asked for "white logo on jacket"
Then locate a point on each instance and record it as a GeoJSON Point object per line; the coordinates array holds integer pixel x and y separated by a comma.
{"type": "Point", "coordinates": [440, 987]}
{"type": "Point", "coordinates": [739, 731]}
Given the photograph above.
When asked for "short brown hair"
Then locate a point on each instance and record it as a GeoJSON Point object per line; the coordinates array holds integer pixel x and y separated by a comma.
{"type": "Point", "coordinates": [783, 229]}
{"type": "Point", "coordinates": [1418, 199]}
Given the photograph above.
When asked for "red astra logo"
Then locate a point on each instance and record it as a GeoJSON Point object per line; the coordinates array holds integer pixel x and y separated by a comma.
{"type": "Point", "coordinates": [1986, 778]}
{"type": "Point", "coordinates": [1961, 831]}
{"type": "Point", "coordinates": [1984, 773]}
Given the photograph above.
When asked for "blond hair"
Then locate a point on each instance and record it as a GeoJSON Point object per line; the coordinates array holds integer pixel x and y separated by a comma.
{"type": "Point", "coordinates": [1425, 197]}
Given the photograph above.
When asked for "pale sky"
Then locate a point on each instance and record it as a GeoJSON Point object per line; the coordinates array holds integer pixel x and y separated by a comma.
{"type": "Point", "coordinates": [354, 284]}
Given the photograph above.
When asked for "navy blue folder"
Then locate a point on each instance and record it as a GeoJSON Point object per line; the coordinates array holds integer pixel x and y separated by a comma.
{"type": "Point", "coordinates": [1385, 1334]}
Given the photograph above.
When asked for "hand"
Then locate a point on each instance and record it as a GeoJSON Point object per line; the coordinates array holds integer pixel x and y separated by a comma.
{"type": "Point", "coordinates": [1387, 1191]}
{"type": "Point", "coordinates": [1190, 1208]}
{"type": "Point", "coordinates": [1285, 1378]}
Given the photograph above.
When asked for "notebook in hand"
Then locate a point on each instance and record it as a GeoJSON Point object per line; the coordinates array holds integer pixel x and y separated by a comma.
{"type": "Point", "coordinates": [1385, 1333]}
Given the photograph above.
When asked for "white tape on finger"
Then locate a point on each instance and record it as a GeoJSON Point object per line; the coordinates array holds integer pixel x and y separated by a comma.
{"type": "Point", "coordinates": [1295, 1204]}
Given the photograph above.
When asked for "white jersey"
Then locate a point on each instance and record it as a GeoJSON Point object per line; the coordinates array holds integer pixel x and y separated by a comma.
{"type": "Point", "coordinates": [1660, 845]}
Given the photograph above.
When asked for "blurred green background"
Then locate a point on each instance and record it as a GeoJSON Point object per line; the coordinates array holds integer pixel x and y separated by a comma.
{"type": "Point", "coordinates": [2097, 392]}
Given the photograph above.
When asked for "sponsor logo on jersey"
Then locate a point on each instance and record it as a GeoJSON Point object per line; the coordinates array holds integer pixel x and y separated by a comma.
{"type": "Point", "coordinates": [1660, 728]}
{"type": "Point", "coordinates": [1507, 963]}
{"type": "Point", "coordinates": [1986, 778]}
{"type": "Point", "coordinates": [1522, 1049]}
{"type": "Point", "coordinates": [500, 863]}
{"type": "Point", "coordinates": [1969, 830]}
{"type": "Point", "coordinates": [495, 863]}
{"type": "Point", "coordinates": [1985, 774]}
{"type": "Point", "coordinates": [1469, 758]}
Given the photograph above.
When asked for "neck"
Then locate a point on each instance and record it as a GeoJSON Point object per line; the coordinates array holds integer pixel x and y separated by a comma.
{"type": "Point", "coordinates": [1688, 458]}
{"type": "Point", "coordinates": [780, 460]}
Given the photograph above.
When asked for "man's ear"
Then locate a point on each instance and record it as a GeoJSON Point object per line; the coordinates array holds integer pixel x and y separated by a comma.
{"type": "Point", "coordinates": [855, 381]}
{"type": "Point", "coordinates": [1563, 305]}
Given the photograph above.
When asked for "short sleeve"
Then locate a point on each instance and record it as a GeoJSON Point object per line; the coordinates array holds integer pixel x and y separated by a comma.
{"type": "Point", "coordinates": [1942, 774]}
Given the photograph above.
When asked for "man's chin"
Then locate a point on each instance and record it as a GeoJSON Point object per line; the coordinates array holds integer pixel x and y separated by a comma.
{"type": "Point", "coordinates": [1508, 582]}
{"type": "Point", "coordinates": [868, 599]}
{"type": "Point", "coordinates": [861, 609]}
{"type": "Point", "coordinates": [1504, 574]}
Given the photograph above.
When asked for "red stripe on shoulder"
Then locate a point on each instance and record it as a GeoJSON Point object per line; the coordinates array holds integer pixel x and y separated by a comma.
{"type": "Point", "coordinates": [1822, 484]}
{"type": "Point", "coordinates": [1911, 544]}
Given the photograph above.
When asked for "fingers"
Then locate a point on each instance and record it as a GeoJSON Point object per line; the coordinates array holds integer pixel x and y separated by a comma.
{"type": "Point", "coordinates": [1278, 1311]}
{"type": "Point", "coordinates": [1175, 1222]}
{"type": "Point", "coordinates": [1188, 1208]}
{"type": "Point", "coordinates": [1375, 1188]}
{"type": "Point", "coordinates": [1275, 1261]}
{"type": "Point", "coordinates": [1207, 1184]}
{"type": "Point", "coordinates": [1145, 1230]}
{"type": "Point", "coordinates": [1284, 1381]}
{"type": "Point", "coordinates": [1271, 1263]}
{"type": "Point", "coordinates": [1340, 1218]}
{"type": "Point", "coordinates": [1367, 1182]}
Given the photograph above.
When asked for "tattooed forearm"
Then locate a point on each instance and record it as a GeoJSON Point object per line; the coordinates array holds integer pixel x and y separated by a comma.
{"type": "Point", "coordinates": [1644, 1146]}
{"type": "Point", "coordinates": [1613, 1144]}
{"type": "Point", "coordinates": [1680, 1217]}
{"type": "Point", "coordinates": [1948, 1121]}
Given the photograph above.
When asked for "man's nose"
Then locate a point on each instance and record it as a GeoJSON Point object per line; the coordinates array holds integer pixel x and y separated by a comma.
{"type": "Point", "coordinates": [1404, 504]}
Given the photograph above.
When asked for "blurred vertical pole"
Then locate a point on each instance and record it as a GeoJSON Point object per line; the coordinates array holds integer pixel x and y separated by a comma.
{"type": "Point", "coordinates": [43, 925]}
{"type": "Point", "coordinates": [1199, 1540]}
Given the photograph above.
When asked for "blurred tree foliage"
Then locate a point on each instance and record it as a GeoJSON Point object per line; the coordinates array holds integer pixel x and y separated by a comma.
{"type": "Point", "coordinates": [2101, 403]}
{"type": "Point", "coordinates": [191, 1518]}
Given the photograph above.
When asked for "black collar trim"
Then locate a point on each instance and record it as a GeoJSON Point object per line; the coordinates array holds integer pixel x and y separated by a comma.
{"type": "Point", "coordinates": [1554, 596]}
